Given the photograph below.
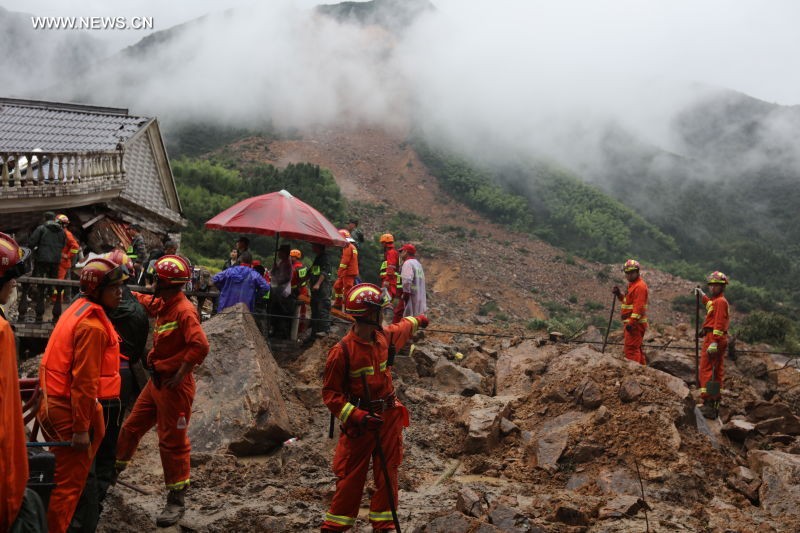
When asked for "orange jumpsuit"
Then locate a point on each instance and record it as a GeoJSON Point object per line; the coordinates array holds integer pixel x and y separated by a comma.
{"type": "Point", "coordinates": [634, 314]}
{"type": "Point", "coordinates": [13, 456]}
{"type": "Point", "coordinates": [347, 273]}
{"type": "Point", "coordinates": [177, 338]}
{"type": "Point", "coordinates": [300, 288]}
{"type": "Point", "coordinates": [70, 250]}
{"type": "Point", "coordinates": [715, 327]}
{"type": "Point", "coordinates": [389, 275]}
{"type": "Point", "coordinates": [343, 394]}
{"type": "Point", "coordinates": [70, 405]}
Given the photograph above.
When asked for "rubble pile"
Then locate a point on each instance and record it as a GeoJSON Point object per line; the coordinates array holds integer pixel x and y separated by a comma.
{"type": "Point", "coordinates": [506, 435]}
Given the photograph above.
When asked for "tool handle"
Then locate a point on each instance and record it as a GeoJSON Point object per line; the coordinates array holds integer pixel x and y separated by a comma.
{"type": "Point", "coordinates": [610, 319]}
{"type": "Point", "coordinates": [697, 337]}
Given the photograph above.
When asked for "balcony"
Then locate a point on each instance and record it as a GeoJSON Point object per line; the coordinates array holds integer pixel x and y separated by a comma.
{"type": "Point", "coordinates": [38, 180]}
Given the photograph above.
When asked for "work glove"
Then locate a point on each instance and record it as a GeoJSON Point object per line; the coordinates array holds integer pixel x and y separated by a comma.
{"type": "Point", "coordinates": [616, 292]}
{"type": "Point", "coordinates": [698, 290]}
{"type": "Point", "coordinates": [385, 294]}
{"type": "Point", "coordinates": [713, 348]}
{"type": "Point", "coordinates": [406, 296]}
{"type": "Point", "coordinates": [423, 321]}
{"type": "Point", "coordinates": [366, 420]}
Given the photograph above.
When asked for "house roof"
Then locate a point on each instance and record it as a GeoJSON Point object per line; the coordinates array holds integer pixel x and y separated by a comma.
{"type": "Point", "coordinates": [53, 126]}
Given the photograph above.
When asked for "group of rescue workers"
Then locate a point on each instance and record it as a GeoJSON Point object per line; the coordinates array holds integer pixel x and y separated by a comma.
{"type": "Point", "coordinates": [85, 378]}
{"type": "Point", "coordinates": [714, 329]}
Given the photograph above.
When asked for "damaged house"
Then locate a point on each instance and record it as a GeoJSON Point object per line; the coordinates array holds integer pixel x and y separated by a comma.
{"type": "Point", "coordinates": [102, 167]}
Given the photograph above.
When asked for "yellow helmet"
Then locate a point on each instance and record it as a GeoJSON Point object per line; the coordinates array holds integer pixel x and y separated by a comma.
{"type": "Point", "coordinates": [297, 254]}
{"type": "Point", "coordinates": [717, 277]}
{"type": "Point", "coordinates": [631, 265]}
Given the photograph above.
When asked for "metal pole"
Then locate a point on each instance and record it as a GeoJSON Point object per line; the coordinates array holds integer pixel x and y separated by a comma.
{"type": "Point", "coordinates": [697, 337]}
{"type": "Point", "coordinates": [610, 319]}
{"type": "Point", "coordinates": [379, 447]}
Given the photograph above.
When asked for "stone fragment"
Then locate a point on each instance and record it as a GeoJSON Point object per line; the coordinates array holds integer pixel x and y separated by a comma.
{"type": "Point", "coordinates": [738, 430]}
{"type": "Point", "coordinates": [568, 514]}
{"type": "Point", "coordinates": [483, 422]}
{"type": "Point", "coordinates": [456, 379]}
{"type": "Point", "coordinates": [630, 390]}
{"type": "Point", "coordinates": [673, 363]}
{"type": "Point", "coordinates": [620, 507]}
{"type": "Point", "coordinates": [780, 487]}
{"type": "Point", "coordinates": [471, 503]}
{"type": "Point", "coordinates": [591, 396]}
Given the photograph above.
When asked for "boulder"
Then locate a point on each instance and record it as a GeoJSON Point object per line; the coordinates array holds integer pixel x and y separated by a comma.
{"type": "Point", "coordinates": [238, 406]}
{"type": "Point", "coordinates": [744, 481]}
{"type": "Point", "coordinates": [584, 452]}
{"type": "Point", "coordinates": [738, 430]}
{"type": "Point", "coordinates": [517, 367]}
{"type": "Point", "coordinates": [471, 503]}
{"type": "Point", "coordinates": [426, 356]}
{"type": "Point", "coordinates": [479, 362]}
{"type": "Point", "coordinates": [621, 507]}
{"type": "Point", "coordinates": [454, 522]}
{"type": "Point", "coordinates": [630, 390]}
{"type": "Point", "coordinates": [780, 481]}
{"type": "Point", "coordinates": [507, 427]}
{"type": "Point", "coordinates": [758, 411]}
{"type": "Point", "coordinates": [675, 364]}
{"type": "Point", "coordinates": [552, 438]}
{"type": "Point", "coordinates": [570, 515]}
{"type": "Point", "coordinates": [786, 425]}
{"type": "Point", "coordinates": [591, 397]}
{"type": "Point", "coordinates": [483, 418]}
{"type": "Point", "coordinates": [508, 519]}
{"type": "Point", "coordinates": [458, 380]}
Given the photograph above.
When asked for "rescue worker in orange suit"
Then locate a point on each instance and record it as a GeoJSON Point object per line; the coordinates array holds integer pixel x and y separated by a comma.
{"type": "Point", "coordinates": [69, 255]}
{"type": "Point", "coordinates": [348, 270]}
{"type": "Point", "coordinates": [300, 284]}
{"type": "Point", "coordinates": [17, 504]}
{"type": "Point", "coordinates": [179, 344]}
{"type": "Point", "coordinates": [715, 340]}
{"type": "Point", "coordinates": [390, 270]}
{"type": "Point", "coordinates": [80, 366]}
{"type": "Point", "coordinates": [634, 311]}
{"type": "Point", "coordinates": [363, 356]}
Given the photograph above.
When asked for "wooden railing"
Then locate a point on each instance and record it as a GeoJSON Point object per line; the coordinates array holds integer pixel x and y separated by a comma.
{"type": "Point", "coordinates": [77, 171]}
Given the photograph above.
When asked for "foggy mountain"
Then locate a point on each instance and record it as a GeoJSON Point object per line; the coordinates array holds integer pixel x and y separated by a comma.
{"type": "Point", "coordinates": [713, 169]}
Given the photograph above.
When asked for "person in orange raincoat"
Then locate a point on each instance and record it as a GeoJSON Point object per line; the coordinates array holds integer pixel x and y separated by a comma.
{"type": "Point", "coordinates": [348, 270]}
{"type": "Point", "coordinates": [69, 255]}
{"type": "Point", "coordinates": [17, 504]}
{"type": "Point", "coordinates": [300, 285]}
{"type": "Point", "coordinates": [634, 311]}
{"type": "Point", "coordinates": [179, 344]}
{"type": "Point", "coordinates": [715, 340]}
{"type": "Point", "coordinates": [80, 366]}
{"type": "Point", "coordinates": [362, 357]}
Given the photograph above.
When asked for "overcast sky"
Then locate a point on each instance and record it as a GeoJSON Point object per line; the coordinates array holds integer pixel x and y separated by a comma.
{"type": "Point", "coordinates": [748, 45]}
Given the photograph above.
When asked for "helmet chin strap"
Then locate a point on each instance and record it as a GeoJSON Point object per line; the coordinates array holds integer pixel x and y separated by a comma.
{"type": "Point", "coordinates": [377, 323]}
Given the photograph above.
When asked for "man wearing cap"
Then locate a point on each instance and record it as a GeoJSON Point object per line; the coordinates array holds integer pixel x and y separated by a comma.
{"type": "Point", "coordinates": [634, 311]}
{"type": "Point", "coordinates": [47, 241]}
{"type": "Point", "coordinates": [413, 300]}
{"type": "Point", "coordinates": [80, 366]}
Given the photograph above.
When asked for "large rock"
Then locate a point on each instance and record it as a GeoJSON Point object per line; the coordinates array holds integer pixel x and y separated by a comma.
{"type": "Point", "coordinates": [483, 417]}
{"type": "Point", "coordinates": [459, 380]}
{"type": "Point", "coordinates": [517, 367]}
{"type": "Point", "coordinates": [553, 436]}
{"type": "Point", "coordinates": [673, 363]}
{"type": "Point", "coordinates": [239, 406]}
{"type": "Point", "coordinates": [780, 481]}
{"type": "Point", "coordinates": [758, 411]}
{"type": "Point", "coordinates": [738, 430]}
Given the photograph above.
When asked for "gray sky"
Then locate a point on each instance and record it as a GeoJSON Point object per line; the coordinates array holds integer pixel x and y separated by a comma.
{"type": "Point", "coordinates": [751, 46]}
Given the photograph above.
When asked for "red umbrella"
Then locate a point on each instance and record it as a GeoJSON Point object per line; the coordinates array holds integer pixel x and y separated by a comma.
{"type": "Point", "coordinates": [280, 214]}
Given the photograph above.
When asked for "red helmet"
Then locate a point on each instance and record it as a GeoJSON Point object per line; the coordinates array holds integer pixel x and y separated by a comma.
{"type": "Point", "coordinates": [344, 233]}
{"type": "Point", "coordinates": [387, 238]}
{"type": "Point", "coordinates": [297, 254]}
{"type": "Point", "coordinates": [631, 265]}
{"type": "Point", "coordinates": [62, 219]}
{"type": "Point", "coordinates": [120, 258]}
{"type": "Point", "coordinates": [100, 272]}
{"type": "Point", "coordinates": [12, 258]}
{"type": "Point", "coordinates": [172, 270]}
{"type": "Point", "coordinates": [717, 278]}
{"type": "Point", "coordinates": [362, 298]}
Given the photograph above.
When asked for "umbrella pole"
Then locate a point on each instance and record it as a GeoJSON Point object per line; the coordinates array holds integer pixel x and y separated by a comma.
{"type": "Point", "coordinates": [271, 305]}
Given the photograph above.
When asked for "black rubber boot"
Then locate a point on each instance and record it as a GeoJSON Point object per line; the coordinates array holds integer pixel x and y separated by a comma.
{"type": "Point", "coordinates": [173, 511]}
{"type": "Point", "coordinates": [709, 410]}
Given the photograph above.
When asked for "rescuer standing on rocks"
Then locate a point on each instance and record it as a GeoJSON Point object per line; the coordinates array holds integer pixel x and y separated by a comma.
{"type": "Point", "coordinates": [715, 341]}
{"type": "Point", "coordinates": [358, 390]}
{"type": "Point", "coordinates": [348, 270]}
{"type": "Point", "coordinates": [179, 344]}
{"type": "Point", "coordinates": [634, 311]}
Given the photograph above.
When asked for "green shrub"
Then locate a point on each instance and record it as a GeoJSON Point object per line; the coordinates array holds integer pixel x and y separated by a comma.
{"type": "Point", "coordinates": [487, 307]}
{"type": "Point", "coordinates": [536, 324]}
{"type": "Point", "coordinates": [573, 298]}
{"type": "Point", "coordinates": [763, 326]}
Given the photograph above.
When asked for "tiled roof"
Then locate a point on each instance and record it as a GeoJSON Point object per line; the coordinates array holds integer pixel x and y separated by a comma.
{"type": "Point", "coordinates": [26, 125]}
